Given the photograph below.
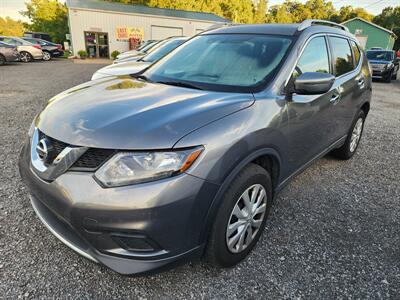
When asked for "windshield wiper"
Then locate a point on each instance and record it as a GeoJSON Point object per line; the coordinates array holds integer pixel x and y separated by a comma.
{"type": "Point", "coordinates": [181, 84]}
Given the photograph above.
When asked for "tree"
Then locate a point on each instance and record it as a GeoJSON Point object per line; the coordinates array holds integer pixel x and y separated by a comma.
{"type": "Point", "coordinates": [348, 12]}
{"type": "Point", "coordinates": [11, 27]}
{"type": "Point", "coordinates": [48, 16]}
{"type": "Point", "coordinates": [238, 11]}
{"type": "Point", "coordinates": [390, 19]}
{"type": "Point", "coordinates": [260, 12]}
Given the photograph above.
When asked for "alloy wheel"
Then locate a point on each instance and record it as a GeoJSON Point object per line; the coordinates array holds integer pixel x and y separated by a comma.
{"type": "Point", "coordinates": [246, 218]}
{"type": "Point", "coordinates": [356, 134]}
{"type": "Point", "coordinates": [25, 57]}
{"type": "Point", "coordinates": [46, 56]}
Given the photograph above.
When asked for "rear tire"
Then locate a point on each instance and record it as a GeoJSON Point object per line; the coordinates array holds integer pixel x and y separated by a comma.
{"type": "Point", "coordinates": [225, 248]}
{"type": "Point", "coordinates": [25, 56]}
{"type": "Point", "coordinates": [46, 56]}
{"type": "Point", "coordinates": [353, 138]}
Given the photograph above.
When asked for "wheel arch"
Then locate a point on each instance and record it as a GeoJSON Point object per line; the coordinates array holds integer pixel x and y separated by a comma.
{"type": "Point", "coordinates": [365, 107]}
{"type": "Point", "coordinates": [267, 158]}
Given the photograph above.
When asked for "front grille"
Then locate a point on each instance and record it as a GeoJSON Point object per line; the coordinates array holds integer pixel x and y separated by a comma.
{"type": "Point", "coordinates": [91, 160]}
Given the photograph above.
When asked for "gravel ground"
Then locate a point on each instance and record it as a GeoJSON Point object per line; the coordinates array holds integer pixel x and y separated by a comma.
{"type": "Point", "coordinates": [334, 232]}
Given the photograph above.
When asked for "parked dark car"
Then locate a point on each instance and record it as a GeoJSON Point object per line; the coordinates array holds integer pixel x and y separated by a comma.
{"type": "Point", "coordinates": [8, 53]}
{"type": "Point", "coordinates": [384, 64]}
{"type": "Point", "coordinates": [183, 160]}
{"type": "Point", "coordinates": [49, 49]}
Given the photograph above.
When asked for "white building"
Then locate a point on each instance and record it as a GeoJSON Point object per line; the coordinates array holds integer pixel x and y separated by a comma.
{"type": "Point", "coordinates": [100, 27]}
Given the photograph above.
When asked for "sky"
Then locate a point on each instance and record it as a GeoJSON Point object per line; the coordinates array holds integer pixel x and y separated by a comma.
{"type": "Point", "coordinates": [11, 8]}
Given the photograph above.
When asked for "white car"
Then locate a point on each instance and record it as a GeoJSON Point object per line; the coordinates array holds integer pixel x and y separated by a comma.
{"type": "Point", "coordinates": [140, 51]}
{"type": "Point", "coordinates": [136, 66]}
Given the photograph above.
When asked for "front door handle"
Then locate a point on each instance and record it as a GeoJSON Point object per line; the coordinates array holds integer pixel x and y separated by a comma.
{"type": "Point", "coordinates": [335, 97]}
{"type": "Point", "coordinates": [361, 83]}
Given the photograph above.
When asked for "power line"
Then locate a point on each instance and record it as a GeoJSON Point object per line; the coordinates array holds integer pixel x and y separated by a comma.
{"type": "Point", "coordinates": [373, 3]}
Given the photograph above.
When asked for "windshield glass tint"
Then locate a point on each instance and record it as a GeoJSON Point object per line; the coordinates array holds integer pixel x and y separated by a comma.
{"type": "Point", "coordinates": [380, 55]}
{"type": "Point", "coordinates": [223, 60]}
{"type": "Point", "coordinates": [162, 50]}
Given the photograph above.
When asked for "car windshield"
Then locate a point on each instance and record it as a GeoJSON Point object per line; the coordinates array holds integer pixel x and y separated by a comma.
{"type": "Point", "coordinates": [162, 50]}
{"type": "Point", "coordinates": [222, 62]}
{"type": "Point", "coordinates": [149, 46]}
{"type": "Point", "coordinates": [380, 55]}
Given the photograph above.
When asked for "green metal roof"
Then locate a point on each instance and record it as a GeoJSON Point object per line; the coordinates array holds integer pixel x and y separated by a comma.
{"type": "Point", "coordinates": [141, 9]}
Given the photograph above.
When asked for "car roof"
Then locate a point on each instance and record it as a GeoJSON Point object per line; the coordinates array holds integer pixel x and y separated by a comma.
{"type": "Point", "coordinates": [277, 29]}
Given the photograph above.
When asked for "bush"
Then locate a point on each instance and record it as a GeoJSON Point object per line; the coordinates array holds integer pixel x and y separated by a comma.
{"type": "Point", "coordinates": [82, 54]}
{"type": "Point", "coordinates": [114, 54]}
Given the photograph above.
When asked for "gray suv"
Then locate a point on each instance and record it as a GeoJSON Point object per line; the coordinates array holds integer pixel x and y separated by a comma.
{"type": "Point", "coordinates": [183, 160]}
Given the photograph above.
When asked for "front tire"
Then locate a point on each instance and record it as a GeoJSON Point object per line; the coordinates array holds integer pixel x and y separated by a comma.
{"type": "Point", "coordinates": [2, 60]}
{"type": "Point", "coordinates": [353, 138]}
{"type": "Point", "coordinates": [241, 218]}
{"type": "Point", "coordinates": [388, 79]}
{"type": "Point", "coordinates": [394, 76]}
{"type": "Point", "coordinates": [25, 57]}
{"type": "Point", "coordinates": [46, 56]}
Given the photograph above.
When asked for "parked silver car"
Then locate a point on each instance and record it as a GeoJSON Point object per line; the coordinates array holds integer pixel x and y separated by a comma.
{"type": "Point", "coordinates": [28, 51]}
{"type": "Point", "coordinates": [137, 65]}
{"type": "Point", "coordinates": [8, 53]}
{"type": "Point", "coordinates": [142, 50]}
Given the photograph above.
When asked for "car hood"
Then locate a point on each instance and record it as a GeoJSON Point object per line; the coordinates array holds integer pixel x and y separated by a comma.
{"type": "Point", "coordinates": [129, 58]}
{"type": "Point", "coordinates": [124, 113]}
{"type": "Point", "coordinates": [123, 68]}
{"type": "Point", "coordinates": [129, 53]}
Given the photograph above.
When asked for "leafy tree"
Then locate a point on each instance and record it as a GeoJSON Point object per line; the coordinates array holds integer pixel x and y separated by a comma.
{"type": "Point", "coordinates": [11, 27]}
{"type": "Point", "coordinates": [348, 12]}
{"type": "Point", "coordinates": [238, 11]}
{"type": "Point", "coordinates": [390, 19]}
{"type": "Point", "coordinates": [48, 16]}
{"type": "Point", "coordinates": [260, 12]}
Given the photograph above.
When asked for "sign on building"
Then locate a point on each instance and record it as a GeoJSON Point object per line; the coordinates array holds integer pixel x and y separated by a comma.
{"type": "Point", "coordinates": [126, 33]}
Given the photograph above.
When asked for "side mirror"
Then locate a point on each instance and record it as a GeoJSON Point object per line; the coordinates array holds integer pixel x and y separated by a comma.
{"type": "Point", "coordinates": [312, 83]}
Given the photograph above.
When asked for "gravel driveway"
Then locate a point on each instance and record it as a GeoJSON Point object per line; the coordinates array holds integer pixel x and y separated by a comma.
{"type": "Point", "coordinates": [334, 232]}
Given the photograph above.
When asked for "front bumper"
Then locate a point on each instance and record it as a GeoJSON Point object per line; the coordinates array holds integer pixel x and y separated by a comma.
{"type": "Point", "coordinates": [165, 218]}
{"type": "Point", "coordinates": [380, 73]}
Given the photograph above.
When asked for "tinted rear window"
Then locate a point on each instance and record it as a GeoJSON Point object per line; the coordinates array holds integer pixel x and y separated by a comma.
{"type": "Point", "coordinates": [342, 57]}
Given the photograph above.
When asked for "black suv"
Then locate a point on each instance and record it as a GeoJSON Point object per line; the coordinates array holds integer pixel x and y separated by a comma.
{"type": "Point", "coordinates": [384, 64]}
{"type": "Point", "coordinates": [183, 160]}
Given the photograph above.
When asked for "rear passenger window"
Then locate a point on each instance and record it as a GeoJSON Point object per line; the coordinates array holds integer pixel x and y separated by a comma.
{"type": "Point", "coordinates": [314, 58]}
{"type": "Point", "coordinates": [342, 58]}
{"type": "Point", "coordinates": [356, 52]}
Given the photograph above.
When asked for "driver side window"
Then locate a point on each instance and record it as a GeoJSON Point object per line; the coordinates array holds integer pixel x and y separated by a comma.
{"type": "Point", "coordinates": [314, 58]}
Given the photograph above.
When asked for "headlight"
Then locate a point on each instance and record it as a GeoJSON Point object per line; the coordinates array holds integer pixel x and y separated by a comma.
{"type": "Point", "coordinates": [388, 66]}
{"type": "Point", "coordinates": [136, 167]}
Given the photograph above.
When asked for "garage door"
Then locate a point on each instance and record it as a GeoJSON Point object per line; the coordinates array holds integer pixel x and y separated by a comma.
{"type": "Point", "coordinates": [162, 32]}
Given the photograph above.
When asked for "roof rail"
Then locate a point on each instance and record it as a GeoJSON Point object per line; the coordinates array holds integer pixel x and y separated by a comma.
{"type": "Point", "coordinates": [307, 23]}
